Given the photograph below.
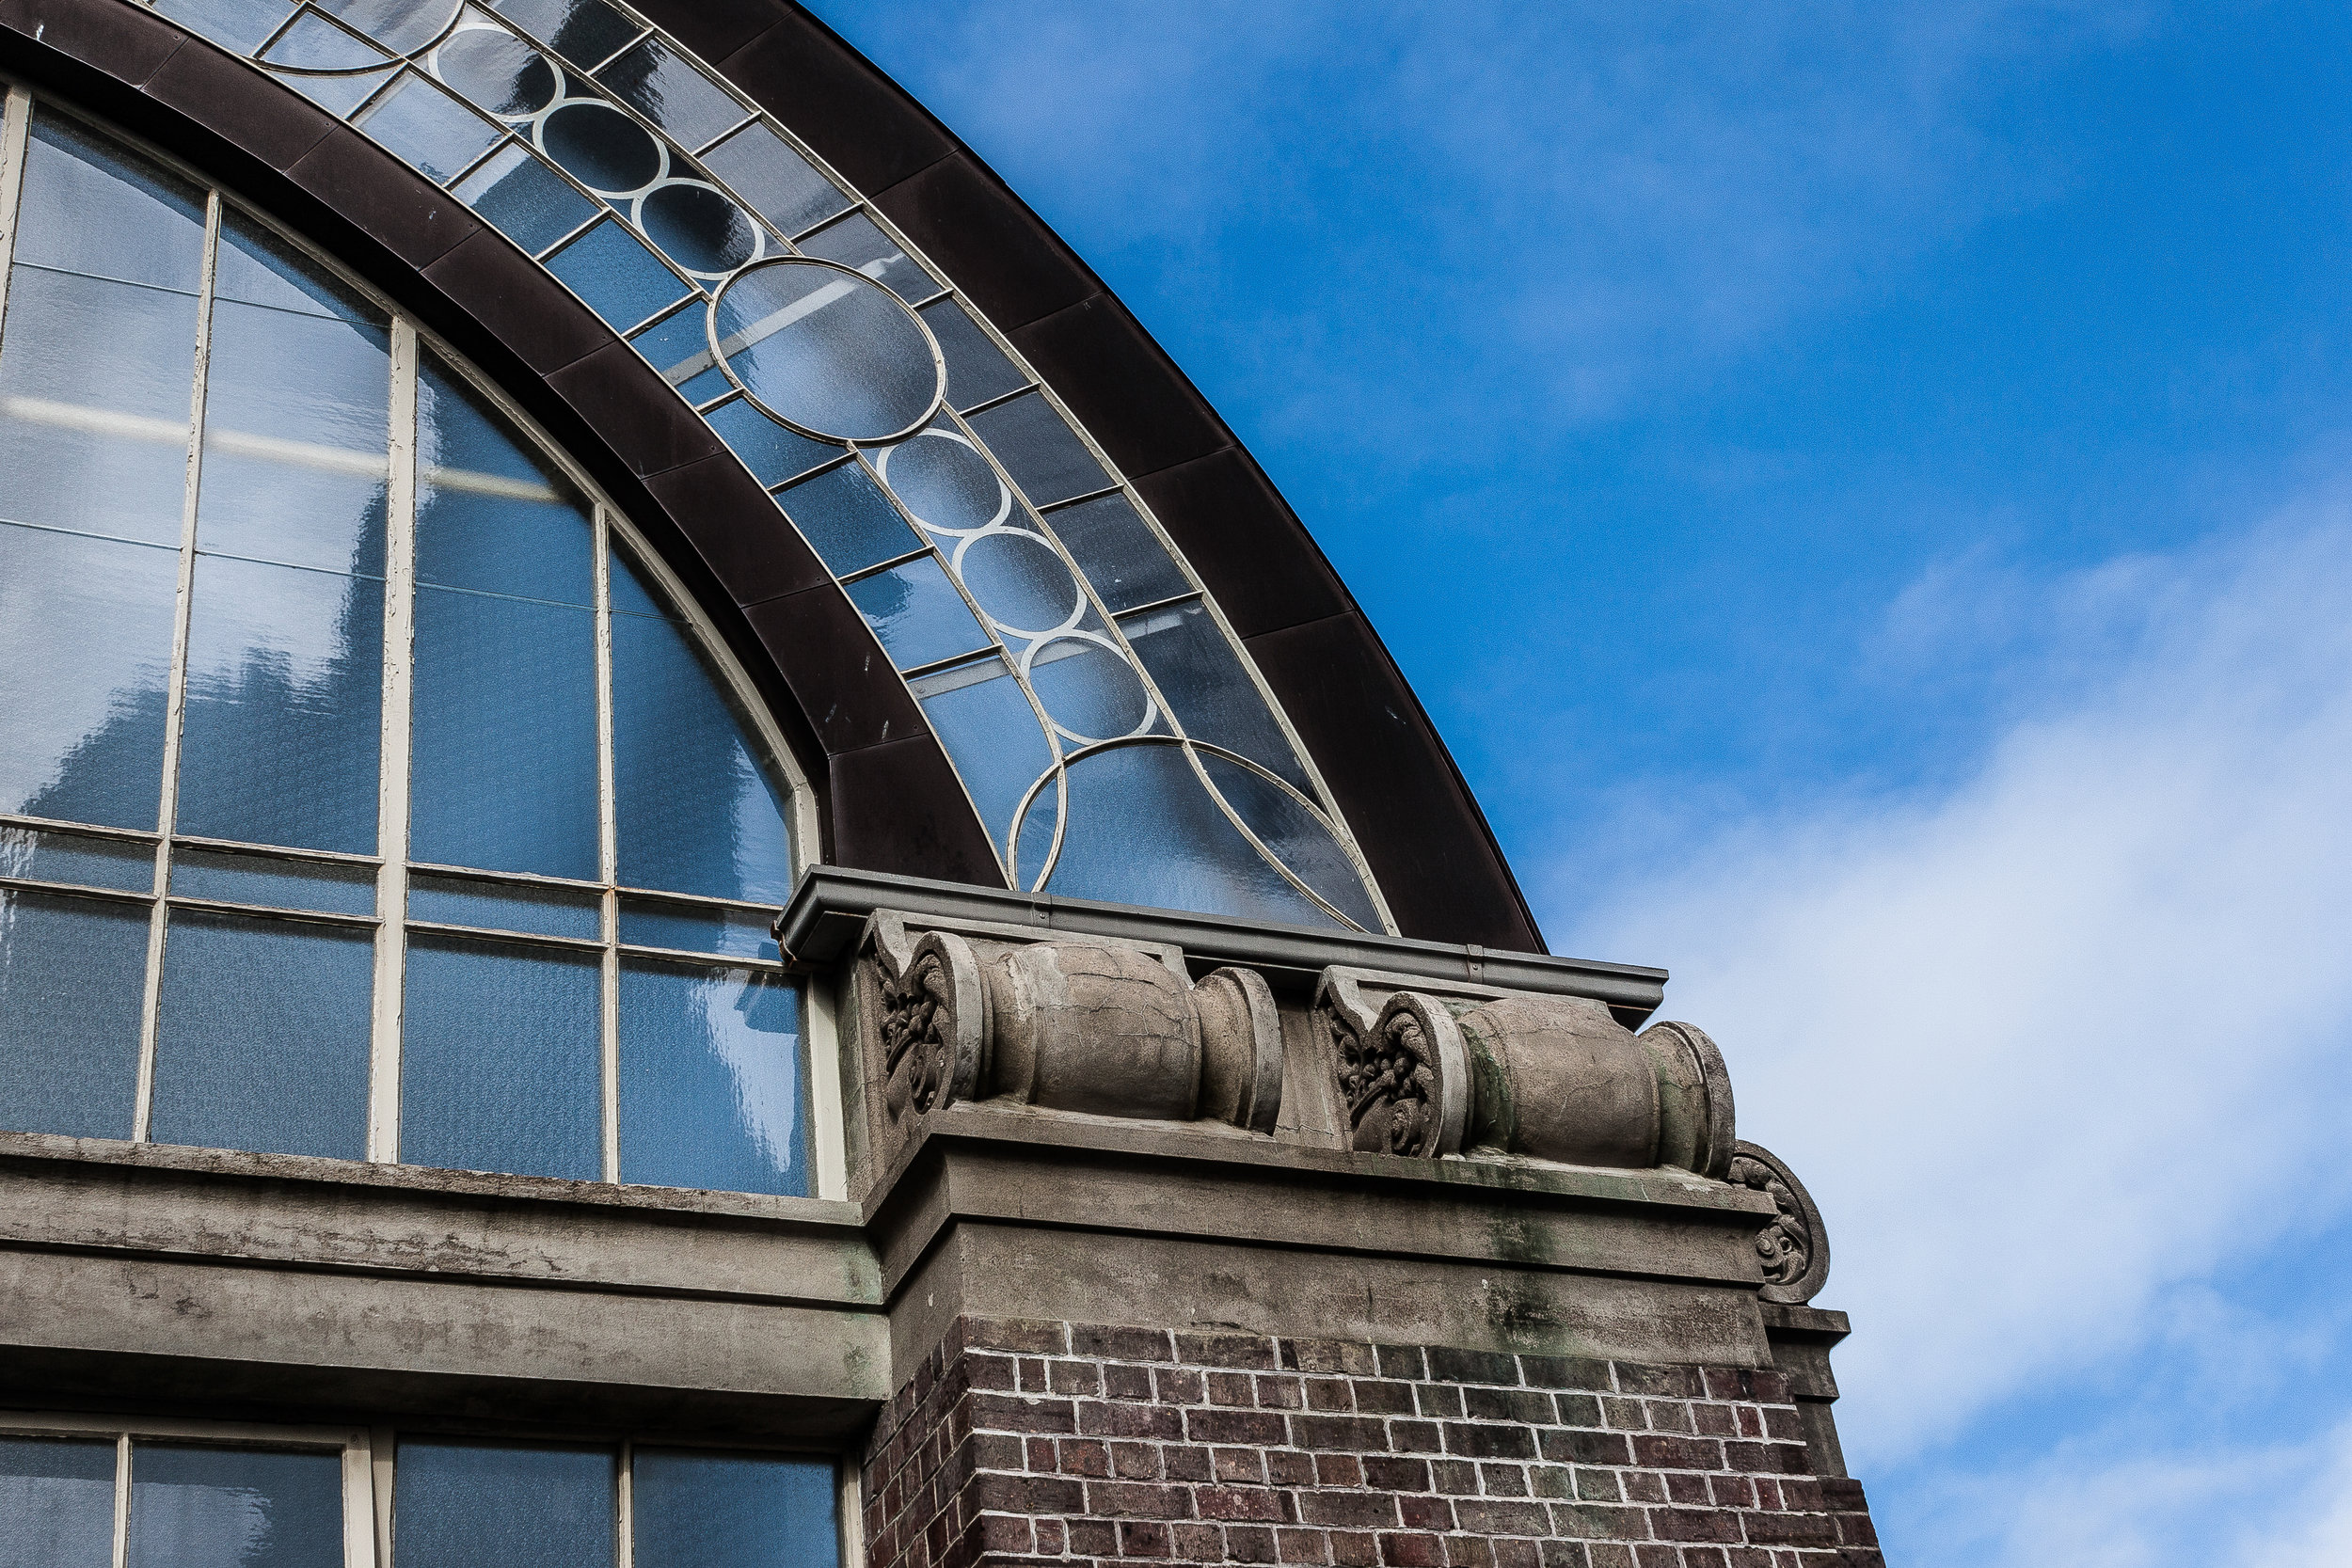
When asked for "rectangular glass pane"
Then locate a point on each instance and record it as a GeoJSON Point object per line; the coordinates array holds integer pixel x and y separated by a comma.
{"type": "Point", "coordinates": [313, 43]}
{"type": "Point", "coordinates": [90, 206]}
{"type": "Point", "coordinates": [781, 185]}
{"type": "Point", "coordinates": [56, 1503]}
{"type": "Point", "coordinates": [284, 706]}
{"type": "Point", "coordinates": [991, 735]}
{"type": "Point", "coordinates": [616, 276]}
{"type": "Point", "coordinates": [918, 613]}
{"type": "Point", "coordinates": [689, 1509]}
{"type": "Point", "coordinates": [977, 368]}
{"type": "Point", "coordinates": [696, 928]}
{"type": "Point", "coordinates": [524, 199]}
{"type": "Point", "coordinates": [289, 884]}
{"type": "Point", "coordinates": [38, 855]}
{"type": "Point", "coordinates": [655, 80]}
{"type": "Point", "coordinates": [501, 1060]}
{"type": "Point", "coordinates": [337, 95]}
{"type": "Point", "coordinates": [1197, 670]}
{"type": "Point", "coordinates": [585, 32]}
{"type": "Point", "coordinates": [491, 514]}
{"type": "Point", "coordinates": [710, 1079]}
{"type": "Point", "coordinates": [699, 808]}
{"type": "Point", "coordinates": [856, 242]}
{"type": "Point", "coordinates": [546, 911]}
{"type": "Point", "coordinates": [427, 129]}
{"type": "Point", "coordinates": [84, 658]}
{"type": "Point", "coordinates": [493, 1505]}
{"type": "Point", "coordinates": [95, 378]}
{"type": "Point", "coordinates": [72, 971]}
{"type": "Point", "coordinates": [503, 770]}
{"type": "Point", "coordinates": [261, 1039]}
{"type": "Point", "coordinates": [195, 1506]}
{"type": "Point", "coordinates": [1118, 553]}
{"type": "Point", "coordinates": [843, 514]}
{"type": "Point", "coordinates": [678, 346]}
{"type": "Point", "coordinates": [1040, 452]}
{"type": "Point", "coordinates": [237, 24]}
{"type": "Point", "coordinates": [772, 452]}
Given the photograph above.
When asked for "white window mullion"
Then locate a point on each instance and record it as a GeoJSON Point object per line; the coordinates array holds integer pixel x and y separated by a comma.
{"type": "Point", "coordinates": [608, 851]}
{"type": "Point", "coordinates": [122, 1501]}
{"type": "Point", "coordinates": [176, 684]}
{"type": "Point", "coordinates": [391, 876]}
{"type": "Point", "coordinates": [625, 1520]}
{"type": "Point", "coordinates": [17, 112]}
{"type": "Point", "coordinates": [359, 1502]}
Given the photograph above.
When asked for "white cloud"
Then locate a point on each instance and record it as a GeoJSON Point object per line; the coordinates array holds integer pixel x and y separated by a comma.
{"type": "Point", "coordinates": [2074, 1032]}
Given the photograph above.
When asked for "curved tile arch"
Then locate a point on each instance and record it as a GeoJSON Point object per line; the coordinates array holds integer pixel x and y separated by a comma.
{"type": "Point", "coordinates": [616, 146]}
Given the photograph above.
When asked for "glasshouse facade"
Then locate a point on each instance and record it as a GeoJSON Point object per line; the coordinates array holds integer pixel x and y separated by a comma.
{"type": "Point", "coordinates": [692, 871]}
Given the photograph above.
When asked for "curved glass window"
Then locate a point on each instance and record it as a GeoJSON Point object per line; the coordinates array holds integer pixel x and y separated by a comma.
{"type": "Point", "coordinates": [361, 794]}
{"type": "Point", "coordinates": [1014, 578]}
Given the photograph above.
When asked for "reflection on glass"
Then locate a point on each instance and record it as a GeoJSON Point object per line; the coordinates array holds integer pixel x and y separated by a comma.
{"type": "Point", "coordinates": [1117, 551]}
{"type": "Point", "coordinates": [285, 704]}
{"type": "Point", "coordinates": [1298, 840]}
{"type": "Point", "coordinates": [505, 906]}
{"type": "Point", "coordinates": [70, 973]}
{"type": "Point", "coordinates": [698, 810]}
{"type": "Point", "coordinates": [492, 514]}
{"type": "Point", "coordinates": [496, 1505]}
{"type": "Point", "coordinates": [1020, 582]}
{"type": "Point", "coordinates": [828, 350]}
{"type": "Point", "coordinates": [678, 345]}
{"type": "Point", "coordinates": [522, 1098]}
{"type": "Point", "coordinates": [526, 200]}
{"type": "Point", "coordinates": [1143, 831]}
{"type": "Point", "coordinates": [846, 517]}
{"type": "Point", "coordinates": [616, 276]}
{"type": "Point", "coordinates": [40, 855]}
{"type": "Point", "coordinates": [427, 129]}
{"type": "Point", "coordinates": [1044, 457]}
{"type": "Point", "coordinates": [262, 1036]}
{"type": "Point", "coordinates": [195, 1506]}
{"type": "Point", "coordinates": [85, 656]}
{"type": "Point", "coordinates": [855, 242]}
{"type": "Point", "coordinates": [653, 79]}
{"type": "Point", "coordinates": [772, 452]}
{"type": "Point", "coordinates": [1089, 691]}
{"type": "Point", "coordinates": [782, 186]}
{"type": "Point", "coordinates": [696, 928]}
{"type": "Point", "coordinates": [977, 368]}
{"type": "Point", "coordinates": [917, 614]}
{"type": "Point", "coordinates": [1198, 672]}
{"type": "Point", "coordinates": [711, 1068]}
{"type": "Point", "coordinates": [693, 1508]}
{"type": "Point", "coordinates": [228, 878]}
{"type": "Point", "coordinates": [585, 32]}
{"type": "Point", "coordinates": [91, 206]}
{"type": "Point", "coordinates": [944, 481]}
{"type": "Point", "coordinates": [992, 736]}
{"type": "Point", "coordinates": [496, 71]}
{"type": "Point", "coordinates": [57, 1501]}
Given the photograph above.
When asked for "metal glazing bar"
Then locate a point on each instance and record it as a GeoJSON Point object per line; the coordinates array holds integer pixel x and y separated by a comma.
{"type": "Point", "coordinates": [74, 890]}
{"type": "Point", "coordinates": [935, 666]}
{"type": "Point", "coordinates": [704, 900]}
{"type": "Point", "coordinates": [1158, 605]}
{"type": "Point", "coordinates": [175, 687]}
{"type": "Point", "coordinates": [522, 939]}
{"type": "Point", "coordinates": [1069, 501]}
{"type": "Point", "coordinates": [706, 960]}
{"type": "Point", "coordinates": [825, 467]}
{"type": "Point", "coordinates": [273, 911]}
{"type": "Point", "coordinates": [987, 404]}
{"type": "Point", "coordinates": [608, 860]}
{"type": "Point", "coordinates": [748, 120]}
{"type": "Point", "coordinates": [624, 49]}
{"type": "Point", "coordinates": [382, 90]}
{"type": "Point", "coordinates": [881, 566]}
{"type": "Point", "coordinates": [512, 878]}
{"type": "Point", "coordinates": [271, 851]}
{"type": "Point", "coordinates": [604, 209]}
{"type": "Point", "coordinates": [392, 823]}
{"type": "Point", "coordinates": [46, 824]}
{"type": "Point", "coordinates": [496, 147]}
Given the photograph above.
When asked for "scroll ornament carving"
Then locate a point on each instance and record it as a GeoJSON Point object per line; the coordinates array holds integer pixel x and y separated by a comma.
{"type": "Point", "coordinates": [1389, 1077]}
{"type": "Point", "coordinates": [1793, 1250]}
{"type": "Point", "coordinates": [915, 1051]}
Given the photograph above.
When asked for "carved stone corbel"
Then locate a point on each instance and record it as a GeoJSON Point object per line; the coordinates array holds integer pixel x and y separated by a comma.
{"type": "Point", "coordinates": [1793, 1250]}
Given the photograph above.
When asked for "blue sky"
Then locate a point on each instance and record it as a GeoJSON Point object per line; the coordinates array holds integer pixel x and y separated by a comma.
{"type": "Point", "coordinates": [1865, 491]}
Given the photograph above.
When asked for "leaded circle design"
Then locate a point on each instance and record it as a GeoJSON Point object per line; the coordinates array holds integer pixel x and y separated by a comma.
{"type": "Point", "coordinates": [601, 147]}
{"type": "Point", "coordinates": [402, 27]}
{"type": "Point", "coordinates": [828, 350]}
{"type": "Point", "coordinates": [944, 484]}
{"type": "Point", "coordinates": [1089, 691]}
{"type": "Point", "coordinates": [498, 70]}
{"type": "Point", "coordinates": [698, 228]}
{"type": "Point", "coordinates": [1021, 583]}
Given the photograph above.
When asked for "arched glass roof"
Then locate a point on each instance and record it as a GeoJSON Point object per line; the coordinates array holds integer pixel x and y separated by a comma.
{"type": "Point", "coordinates": [1110, 730]}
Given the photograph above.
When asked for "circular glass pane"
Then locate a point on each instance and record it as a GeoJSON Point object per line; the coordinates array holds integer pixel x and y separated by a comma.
{"type": "Point", "coordinates": [828, 350]}
{"type": "Point", "coordinates": [602, 148]}
{"type": "Point", "coordinates": [698, 228]}
{"type": "Point", "coordinates": [1087, 689]}
{"type": "Point", "coordinates": [498, 70]}
{"type": "Point", "coordinates": [944, 484]}
{"type": "Point", "coordinates": [1021, 583]}
{"type": "Point", "coordinates": [403, 26]}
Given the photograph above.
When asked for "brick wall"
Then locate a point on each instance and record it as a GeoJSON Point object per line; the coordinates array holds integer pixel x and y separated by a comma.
{"type": "Point", "coordinates": [1043, 1442]}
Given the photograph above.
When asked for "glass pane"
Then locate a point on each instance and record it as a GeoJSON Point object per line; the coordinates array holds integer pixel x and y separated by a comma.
{"type": "Point", "coordinates": [601, 147]}
{"type": "Point", "coordinates": [1120, 554]}
{"type": "Point", "coordinates": [699, 810]}
{"type": "Point", "coordinates": [313, 43]}
{"type": "Point", "coordinates": [403, 26]}
{"type": "Point", "coordinates": [506, 906]}
{"type": "Point", "coordinates": [1201, 677]}
{"type": "Point", "coordinates": [90, 206]}
{"type": "Point", "coordinates": [491, 514]}
{"type": "Point", "coordinates": [943, 481]}
{"type": "Point", "coordinates": [918, 613]}
{"type": "Point", "coordinates": [585, 32]}
{"type": "Point", "coordinates": [617, 278]}
{"type": "Point", "coordinates": [696, 1510]}
{"type": "Point", "coordinates": [427, 129]}
{"type": "Point", "coordinates": [696, 928]}
{"type": "Point", "coordinates": [262, 1036]}
{"type": "Point", "coordinates": [1298, 840]}
{"type": "Point", "coordinates": [95, 378]}
{"type": "Point", "coordinates": [1143, 831]}
{"type": "Point", "coordinates": [496, 71]}
{"type": "Point", "coordinates": [528, 202]}
{"type": "Point", "coordinates": [829, 350]}
{"type": "Point", "coordinates": [284, 706]}
{"type": "Point", "coordinates": [85, 656]}
{"type": "Point", "coordinates": [992, 736]}
{"type": "Point", "coordinates": [71, 971]}
{"type": "Point", "coordinates": [700, 229]}
{"type": "Point", "coordinates": [238, 25]}
{"type": "Point", "coordinates": [56, 1502]}
{"type": "Point", "coordinates": [977, 368]}
{"type": "Point", "coordinates": [679, 347]}
{"type": "Point", "coordinates": [500, 1061]}
{"type": "Point", "coordinates": [856, 242]}
{"type": "Point", "coordinates": [1090, 691]}
{"type": "Point", "coordinates": [848, 520]}
{"type": "Point", "coordinates": [1022, 584]}
{"type": "Point", "coordinates": [772, 452]}
{"type": "Point", "coordinates": [233, 879]}
{"type": "Point", "coordinates": [234, 1508]}
{"type": "Point", "coordinates": [503, 769]}
{"type": "Point", "coordinates": [486, 1505]}
{"type": "Point", "coordinates": [1046, 459]}
{"type": "Point", "coordinates": [47, 857]}
{"type": "Point", "coordinates": [655, 80]}
{"type": "Point", "coordinates": [782, 186]}
{"type": "Point", "coordinates": [710, 1079]}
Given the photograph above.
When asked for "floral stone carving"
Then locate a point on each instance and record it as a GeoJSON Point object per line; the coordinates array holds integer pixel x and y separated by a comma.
{"type": "Point", "coordinates": [1793, 1250]}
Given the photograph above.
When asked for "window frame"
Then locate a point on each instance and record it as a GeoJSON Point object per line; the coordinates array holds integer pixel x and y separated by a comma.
{"type": "Point", "coordinates": [410, 345]}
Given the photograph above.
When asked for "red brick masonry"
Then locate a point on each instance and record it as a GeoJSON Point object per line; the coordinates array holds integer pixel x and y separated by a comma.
{"type": "Point", "coordinates": [1036, 1442]}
